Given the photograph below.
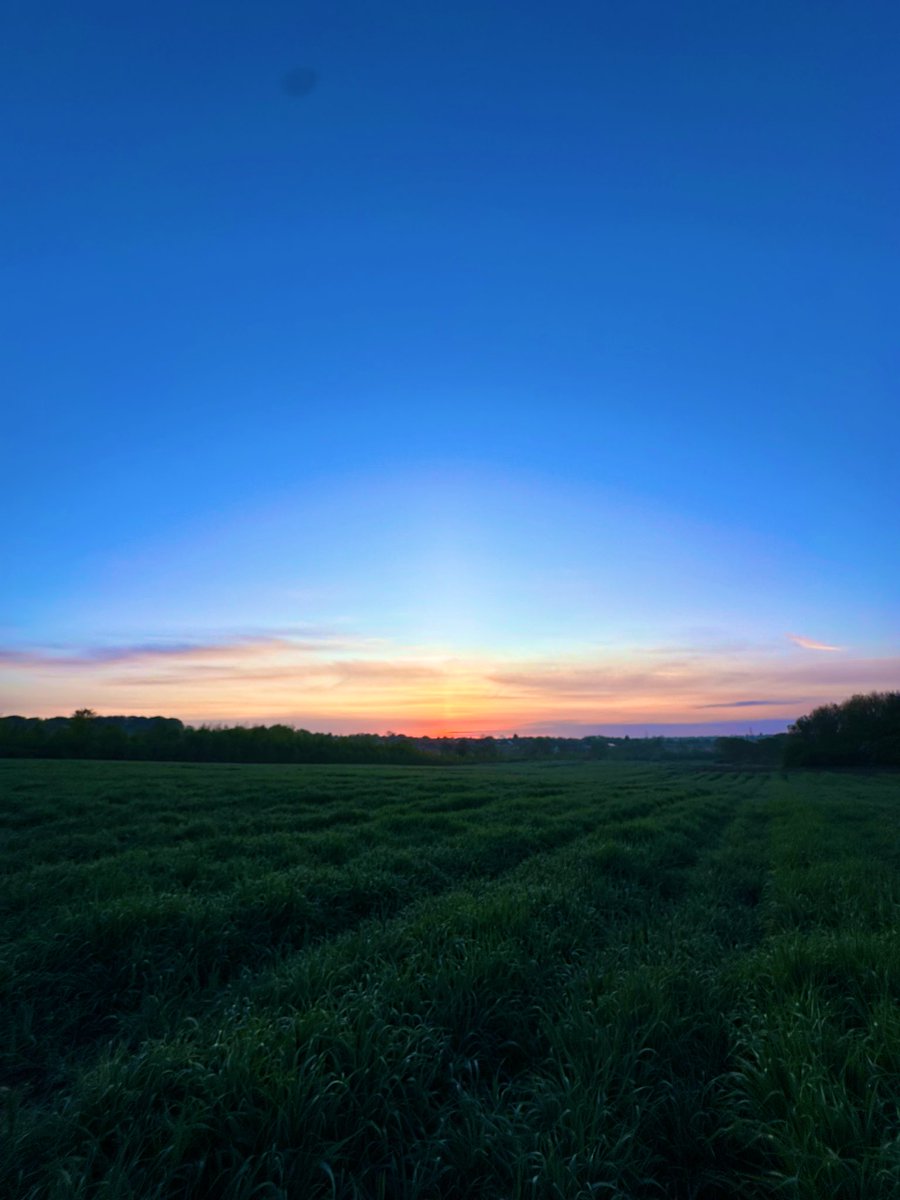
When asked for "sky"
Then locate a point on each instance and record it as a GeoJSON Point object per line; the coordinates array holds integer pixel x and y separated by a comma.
{"type": "Point", "coordinates": [471, 368]}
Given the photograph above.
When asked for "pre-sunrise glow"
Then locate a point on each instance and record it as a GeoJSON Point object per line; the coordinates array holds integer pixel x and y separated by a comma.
{"type": "Point", "coordinates": [391, 403]}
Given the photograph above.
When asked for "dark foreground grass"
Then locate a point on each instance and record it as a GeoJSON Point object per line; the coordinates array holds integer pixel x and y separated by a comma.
{"type": "Point", "coordinates": [498, 982]}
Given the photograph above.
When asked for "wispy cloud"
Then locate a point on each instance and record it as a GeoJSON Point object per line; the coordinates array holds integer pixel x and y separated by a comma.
{"type": "Point", "coordinates": [312, 674]}
{"type": "Point", "coordinates": [16, 658]}
{"type": "Point", "coordinates": [327, 681]}
{"type": "Point", "coordinates": [640, 729]}
{"type": "Point", "coordinates": [249, 647]}
{"type": "Point", "coordinates": [589, 682]}
{"type": "Point", "coordinates": [810, 644]}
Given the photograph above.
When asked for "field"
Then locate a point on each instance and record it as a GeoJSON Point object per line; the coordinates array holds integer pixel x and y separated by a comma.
{"type": "Point", "coordinates": [496, 982]}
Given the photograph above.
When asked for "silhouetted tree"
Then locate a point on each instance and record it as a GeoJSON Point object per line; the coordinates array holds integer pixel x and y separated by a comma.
{"type": "Point", "coordinates": [863, 731]}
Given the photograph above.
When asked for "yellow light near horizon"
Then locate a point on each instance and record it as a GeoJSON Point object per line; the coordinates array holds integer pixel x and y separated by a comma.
{"type": "Point", "coordinates": [421, 689]}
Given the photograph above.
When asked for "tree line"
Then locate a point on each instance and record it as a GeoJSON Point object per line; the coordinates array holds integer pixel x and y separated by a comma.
{"type": "Point", "coordinates": [862, 731]}
{"type": "Point", "coordinates": [84, 734]}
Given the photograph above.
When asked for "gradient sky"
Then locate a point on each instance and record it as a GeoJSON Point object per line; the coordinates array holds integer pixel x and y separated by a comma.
{"type": "Point", "coordinates": [466, 367]}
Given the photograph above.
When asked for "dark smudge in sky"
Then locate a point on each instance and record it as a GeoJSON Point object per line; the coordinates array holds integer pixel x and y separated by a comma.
{"type": "Point", "coordinates": [299, 81]}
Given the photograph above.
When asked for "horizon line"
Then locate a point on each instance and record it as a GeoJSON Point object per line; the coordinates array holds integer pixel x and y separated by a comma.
{"type": "Point", "coordinates": [576, 731]}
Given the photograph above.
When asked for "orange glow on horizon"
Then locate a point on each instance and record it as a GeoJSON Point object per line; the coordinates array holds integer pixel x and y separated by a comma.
{"type": "Point", "coordinates": [345, 687]}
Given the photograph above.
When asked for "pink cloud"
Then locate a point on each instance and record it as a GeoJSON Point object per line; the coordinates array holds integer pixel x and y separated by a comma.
{"type": "Point", "coordinates": [331, 680]}
{"type": "Point", "coordinates": [809, 644]}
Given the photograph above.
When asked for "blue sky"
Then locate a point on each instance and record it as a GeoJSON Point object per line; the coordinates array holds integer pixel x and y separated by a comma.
{"type": "Point", "coordinates": [522, 344]}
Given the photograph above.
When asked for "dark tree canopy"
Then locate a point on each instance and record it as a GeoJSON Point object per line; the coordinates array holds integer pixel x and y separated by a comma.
{"type": "Point", "coordinates": [863, 731]}
{"type": "Point", "coordinates": [87, 735]}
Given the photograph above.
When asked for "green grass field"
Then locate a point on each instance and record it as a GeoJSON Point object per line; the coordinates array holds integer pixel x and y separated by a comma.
{"type": "Point", "coordinates": [496, 982]}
